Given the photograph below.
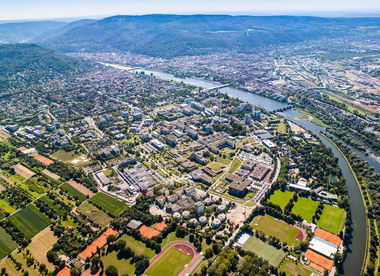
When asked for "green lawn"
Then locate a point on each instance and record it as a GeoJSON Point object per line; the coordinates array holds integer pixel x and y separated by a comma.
{"type": "Point", "coordinates": [94, 214]}
{"type": "Point", "coordinates": [281, 198]}
{"type": "Point", "coordinates": [69, 157]}
{"type": "Point", "coordinates": [305, 207]}
{"type": "Point", "coordinates": [273, 255]}
{"type": "Point", "coordinates": [171, 263]}
{"type": "Point", "coordinates": [332, 219]}
{"type": "Point", "coordinates": [109, 204]}
{"type": "Point", "coordinates": [30, 221]}
{"type": "Point", "coordinates": [74, 192]}
{"type": "Point", "coordinates": [6, 207]}
{"type": "Point", "coordinates": [124, 266]}
{"type": "Point", "coordinates": [234, 166]}
{"type": "Point", "coordinates": [291, 268]}
{"type": "Point", "coordinates": [216, 166]}
{"type": "Point", "coordinates": [7, 245]}
{"type": "Point", "coordinates": [225, 161]}
{"type": "Point", "coordinates": [138, 246]}
{"type": "Point", "coordinates": [276, 228]}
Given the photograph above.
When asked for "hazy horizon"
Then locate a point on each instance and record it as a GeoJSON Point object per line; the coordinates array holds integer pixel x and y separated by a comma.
{"type": "Point", "coordinates": [21, 10]}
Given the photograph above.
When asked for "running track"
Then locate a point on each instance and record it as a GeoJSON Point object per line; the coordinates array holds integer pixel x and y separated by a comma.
{"type": "Point", "coordinates": [186, 248]}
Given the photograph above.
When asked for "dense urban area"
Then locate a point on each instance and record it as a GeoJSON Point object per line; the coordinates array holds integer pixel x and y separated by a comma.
{"type": "Point", "coordinates": [124, 163]}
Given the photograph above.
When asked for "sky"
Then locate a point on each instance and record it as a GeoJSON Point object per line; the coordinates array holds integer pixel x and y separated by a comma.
{"type": "Point", "coordinates": [40, 9]}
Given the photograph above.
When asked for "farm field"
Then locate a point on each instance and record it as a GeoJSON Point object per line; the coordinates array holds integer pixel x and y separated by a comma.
{"type": "Point", "coordinates": [6, 207]}
{"type": "Point", "coordinates": [332, 219]}
{"type": "Point", "coordinates": [108, 203]}
{"type": "Point", "coordinates": [30, 221]}
{"type": "Point", "coordinates": [305, 207]}
{"type": "Point", "coordinates": [51, 204]}
{"type": "Point", "coordinates": [170, 263]}
{"type": "Point", "coordinates": [281, 198]}
{"type": "Point", "coordinates": [7, 245]}
{"type": "Point", "coordinates": [41, 244]}
{"type": "Point", "coordinates": [291, 268]}
{"type": "Point", "coordinates": [75, 193]}
{"type": "Point", "coordinates": [71, 158]}
{"type": "Point", "coordinates": [137, 246]}
{"type": "Point", "coordinates": [94, 214]}
{"type": "Point", "coordinates": [276, 228]}
{"type": "Point", "coordinates": [10, 267]}
{"type": "Point", "coordinates": [272, 255]}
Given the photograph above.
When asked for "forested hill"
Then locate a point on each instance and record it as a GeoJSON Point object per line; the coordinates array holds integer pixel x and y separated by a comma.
{"type": "Point", "coordinates": [25, 64]}
{"type": "Point", "coordinates": [176, 35]}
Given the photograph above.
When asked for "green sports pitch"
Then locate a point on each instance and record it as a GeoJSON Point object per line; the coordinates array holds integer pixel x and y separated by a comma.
{"type": "Point", "coordinates": [109, 204]}
{"type": "Point", "coordinates": [171, 263]}
{"type": "Point", "coordinates": [305, 207]}
{"type": "Point", "coordinates": [332, 219]}
{"type": "Point", "coordinates": [273, 255]}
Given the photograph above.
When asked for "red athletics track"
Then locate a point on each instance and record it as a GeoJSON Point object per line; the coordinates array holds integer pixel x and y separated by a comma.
{"type": "Point", "coordinates": [184, 247]}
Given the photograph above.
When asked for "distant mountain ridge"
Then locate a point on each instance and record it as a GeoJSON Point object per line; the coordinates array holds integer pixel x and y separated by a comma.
{"type": "Point", "coordinates": [169, 36]}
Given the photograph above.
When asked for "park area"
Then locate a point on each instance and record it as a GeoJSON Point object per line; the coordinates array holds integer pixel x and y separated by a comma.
{"type": "Point", "coordinates": [279, 229]}
{"type": "Point", "coordinates": [305, 207]}
{"type": "Point", "coordinates": [281, 198]}
{"type": "Point", "coordinates": [109, 204]}
{"type": "Point", "coordinates": [332, 219]}
{"type": "Point", "coordinates": [94, 214]}
{"type": "Point", "coordinates": [170, 263]}
{"type": "Point", "coordinates": [273, 255]}
{"type": "Point", "coordinates": [71, 158]}
{"type": "Point", "coordinates": [30, 221]}
{"type": "Point", "coordinates": [7, 245]}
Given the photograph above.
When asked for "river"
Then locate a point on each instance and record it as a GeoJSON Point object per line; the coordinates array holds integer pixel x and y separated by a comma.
{"type": "Point", "coordinates": [355, 254]}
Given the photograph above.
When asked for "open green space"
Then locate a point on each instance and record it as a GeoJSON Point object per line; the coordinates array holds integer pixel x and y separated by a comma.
{"type": "Point", "coordinates": [281, 198]}
{"type": "Point", "coordinates": [273, 227]}
{"type": "Point", "coordinates": [4, 205]}
{"type": "Point", "coordinates": [109, 204]}
{"type": "Point", "coordinates": [291, 268]}
{"type": "Point", "coordinates": [94, 214]}
{"type": "Point", "coordinates": [332, 219]}
{"type": "Point", "coordinates": [137, 246]}
{"type": "Point", "coordinates": [70, 157]}
{"type": "Point", "coordinates": [171, 263]}
{"type": "Point", "coordinates": [74, 192]}
{"type": "Point", "coordinates": [234, 165]}
{"type": "Point", "coordinates": [222, 160]}
{"type": "Point", "coordinates": [273, 255]}
{"type": "Point", "coordinates": [7, 245]}
{"type": "Point", "coordinates": [124, 266]}
{"type": "Point", "coordinates": [305, 207]}
{"type": "Point", "coordinates": [216, 166]}
{"type": "Point", "coordinates": [241, 143]}
{"type": "Point", "coordinates": [30, 221]}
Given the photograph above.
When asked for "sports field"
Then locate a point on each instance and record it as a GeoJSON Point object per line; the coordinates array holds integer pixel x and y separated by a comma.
{"type": "Point", "coordinates": [291, 268]}
{"type": "Point", "coordinates": [276, 228]}
{"type": "Point", "coordinates": [272, 255]}
{"type": "Point", "coordinates": [74, 192]}
{"type": "Point", "coordinates": [305, 207]}
{"type": "Point", "coordinates": [281, 198]}
{"type": "Point", "coordinates": [332, 219]}
{"type": "Point", "coordinates": [7, 245]}
{"type": "Point", "coordinates": [30, 221]}
{"type": "Point", "coordinates": [94, 214]}
{"type": "Point", "coordinates": [109, 204]}
{"type": "Point", "coordinates": [171, 263]}
{"type": "Point", "coordinates": [41, 244]}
